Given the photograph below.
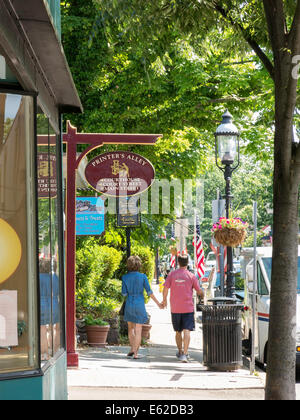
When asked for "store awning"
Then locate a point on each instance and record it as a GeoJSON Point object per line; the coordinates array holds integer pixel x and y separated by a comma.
{"type": "Point", "coordinates": [42, 44]}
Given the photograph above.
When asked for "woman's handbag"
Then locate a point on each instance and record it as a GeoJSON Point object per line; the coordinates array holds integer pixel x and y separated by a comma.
{"type": "Point", "coordinates": [122, 310]}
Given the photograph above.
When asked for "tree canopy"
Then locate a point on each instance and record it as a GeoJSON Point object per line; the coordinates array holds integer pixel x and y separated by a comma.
{"type": "Point", "coordinates": [179, 88]}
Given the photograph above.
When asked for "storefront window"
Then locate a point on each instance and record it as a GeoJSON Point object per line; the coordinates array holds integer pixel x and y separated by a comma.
{"type": "Point", "coordinates": [18, 268]}
{"type": "Point", "coordinates": [51, 295]}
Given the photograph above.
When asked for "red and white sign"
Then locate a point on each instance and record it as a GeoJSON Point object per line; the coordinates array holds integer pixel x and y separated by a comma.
{"type": "Point", "coordinates": [119, 173]}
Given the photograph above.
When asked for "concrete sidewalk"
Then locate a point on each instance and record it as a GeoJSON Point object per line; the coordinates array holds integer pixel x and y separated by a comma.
{"type": "Point", "coordinates": [157, 369]}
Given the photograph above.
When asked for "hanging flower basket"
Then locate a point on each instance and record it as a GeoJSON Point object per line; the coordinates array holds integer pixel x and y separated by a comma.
{"type": "Point", "coordinates": [230, 232]}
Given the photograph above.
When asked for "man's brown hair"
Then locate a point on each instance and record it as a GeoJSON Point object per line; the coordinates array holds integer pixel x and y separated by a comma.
{"type": "Point", "coordinates": [183, 260]}
{"type": "Point", "coordinates": [134, 263]}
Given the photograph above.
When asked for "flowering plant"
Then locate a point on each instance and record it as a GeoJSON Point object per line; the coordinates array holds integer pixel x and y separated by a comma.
{"type": "Point", "coordinates": [232, 223]}
{"type": "Point", "coordinates": [230, 232]}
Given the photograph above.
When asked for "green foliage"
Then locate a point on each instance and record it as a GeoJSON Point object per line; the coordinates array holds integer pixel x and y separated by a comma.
{"type": "Point", "coordinates": [167, 81]}
{"type": "Point", "coordinates": [252, 181]}
{"type": "Point", "coordinates": [87, 302]}
{"type": "Point", "coordinates": [249, 241]}
{"type": "Point", "coordinates": [89, 320]}
{"type": "Point", "coordinates": [114, 289]}
{"type": "Point", "coordinates": [147, 258]}
{"type": "Point", "coordinates": [179, 91]}
{"type": "Point", "coordinates": [95, 266]}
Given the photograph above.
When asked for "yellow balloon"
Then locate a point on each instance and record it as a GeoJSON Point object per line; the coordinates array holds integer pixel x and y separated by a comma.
{"type": "Point", "coordinates": [10, 250]}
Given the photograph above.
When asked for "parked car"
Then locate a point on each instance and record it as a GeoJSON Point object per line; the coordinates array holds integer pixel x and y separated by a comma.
{"type": "Point", "coordinates": [210, 261]}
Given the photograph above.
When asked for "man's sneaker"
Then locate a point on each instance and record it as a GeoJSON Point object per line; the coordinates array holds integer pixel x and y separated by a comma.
{"type": "Point", "coordinates": [183, 358]}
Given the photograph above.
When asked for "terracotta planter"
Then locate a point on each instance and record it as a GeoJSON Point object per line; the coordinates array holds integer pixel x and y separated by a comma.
{"type": "Point", "coordinates": [97, 335]}
{"type": "Point", "coordinates": [146, 331]}
{"type": "Point", "coordinates": [230, 237]}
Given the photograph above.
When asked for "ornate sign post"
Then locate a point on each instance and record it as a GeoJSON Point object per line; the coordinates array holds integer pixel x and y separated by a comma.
{"type": "Point", "coordinates": [72, 138]}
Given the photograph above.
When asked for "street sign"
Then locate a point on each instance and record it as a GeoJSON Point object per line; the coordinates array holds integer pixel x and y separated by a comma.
{"type": "Point", "coordinates": [218, 210]}
{"type": "Point", "coordinates": [89, 216]}
{"type": "Point", "coordinates": [128, 213]}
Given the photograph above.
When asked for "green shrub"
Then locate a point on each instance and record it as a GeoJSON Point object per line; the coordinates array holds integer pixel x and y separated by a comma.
{"type": "Point", "coordinates": [95, 265]}
{"type": "Point", "coordinates": [96, 293]}
{"type": "Point", "coordinates": [89, 320]}
{"type": "Point", "coordinates": [110, 260]}
{"type": "Point", "coordinates": [96, 306]}
{"type": "Point", "coordinates": [148, 260]}
{"type": "Point", "coordinates": [114, 289]}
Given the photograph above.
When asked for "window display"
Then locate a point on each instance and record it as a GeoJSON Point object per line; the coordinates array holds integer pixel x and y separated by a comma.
{"type": "Point", "coordinates": [51, 296]}
{"type": "Point", "coordinates": [18, 268]}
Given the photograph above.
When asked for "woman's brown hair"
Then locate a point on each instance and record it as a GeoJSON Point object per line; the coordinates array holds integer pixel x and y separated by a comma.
{"type": "Point", "coordinates": [134, 263]}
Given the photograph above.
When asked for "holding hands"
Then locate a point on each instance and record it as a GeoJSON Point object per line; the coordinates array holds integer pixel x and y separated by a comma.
{"type": "Point", "coordinates": [162, 305]}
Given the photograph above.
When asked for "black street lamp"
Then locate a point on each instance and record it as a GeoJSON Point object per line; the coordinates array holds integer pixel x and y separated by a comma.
{"type": "Point", "coordinates": [227, 153]}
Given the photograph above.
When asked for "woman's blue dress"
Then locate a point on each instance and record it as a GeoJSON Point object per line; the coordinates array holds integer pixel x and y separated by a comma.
{"type": "Point", "coordinates": [133, 285]}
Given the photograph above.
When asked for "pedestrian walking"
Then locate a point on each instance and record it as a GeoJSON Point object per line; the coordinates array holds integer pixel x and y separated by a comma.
{"type": "Point", "coordinates": [133, 285]}
{"type": "Point", "coordinates": [182, 283]}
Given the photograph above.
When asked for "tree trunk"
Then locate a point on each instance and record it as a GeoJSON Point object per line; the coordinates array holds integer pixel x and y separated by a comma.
{"type": "Point", "coordinates": [282, 342]}
{"type": "Point", "coordinates": [282, 330]}
{"type": "Point", "coordinates": [281, 358]}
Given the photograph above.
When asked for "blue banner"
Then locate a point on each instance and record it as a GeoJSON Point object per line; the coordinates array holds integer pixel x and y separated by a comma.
{"type": "Point", "coordinates": [89, 216]}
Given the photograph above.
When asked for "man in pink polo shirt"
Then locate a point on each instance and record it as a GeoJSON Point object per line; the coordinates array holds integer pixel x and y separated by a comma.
{"type": "Point", "coordinates": [182, 283]}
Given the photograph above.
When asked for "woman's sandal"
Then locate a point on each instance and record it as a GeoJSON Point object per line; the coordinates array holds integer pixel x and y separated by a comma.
{"type": "Point", "coordinates": [131, 353]}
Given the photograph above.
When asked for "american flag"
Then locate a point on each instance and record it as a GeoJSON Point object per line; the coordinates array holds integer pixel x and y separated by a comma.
{"type": "Point", "coordinates": [198, 245]}
{"type": "Point", "coordinates": [173, 257]}
{"type": "Point", "coordinates": [173, 261]}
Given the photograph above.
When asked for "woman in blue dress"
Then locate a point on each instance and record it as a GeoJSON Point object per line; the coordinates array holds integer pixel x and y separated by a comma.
{"type": "Point", "coordinates": [133, 285]}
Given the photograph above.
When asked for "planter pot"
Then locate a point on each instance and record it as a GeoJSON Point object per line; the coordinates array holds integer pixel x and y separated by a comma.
{"type": "Point", "coordinates": [146, 331]}
{"type": "Point", "coordinates": [97, 335]}
{"type": "Point", "coordinates": [230, 237]}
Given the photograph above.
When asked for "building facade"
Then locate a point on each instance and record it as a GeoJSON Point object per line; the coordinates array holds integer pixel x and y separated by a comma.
{"type": "Point", "coordinates": [36, 88]}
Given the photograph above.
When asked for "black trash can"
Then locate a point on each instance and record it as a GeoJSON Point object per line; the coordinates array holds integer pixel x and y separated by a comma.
{"type": "Point", "coordinates": [222, 336]}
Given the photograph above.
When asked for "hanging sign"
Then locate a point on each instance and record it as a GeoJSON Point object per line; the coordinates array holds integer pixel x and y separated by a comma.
{"type": "Point", "coordinates": [128, 213]}
{"type": "Point", "coordinates": [89, 216]}
{"type": "Point", "coordinates": [119, 174]}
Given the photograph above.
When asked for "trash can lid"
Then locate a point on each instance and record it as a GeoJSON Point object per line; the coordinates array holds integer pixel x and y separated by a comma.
{"type": "Point", "coordinates": [222, 300]}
